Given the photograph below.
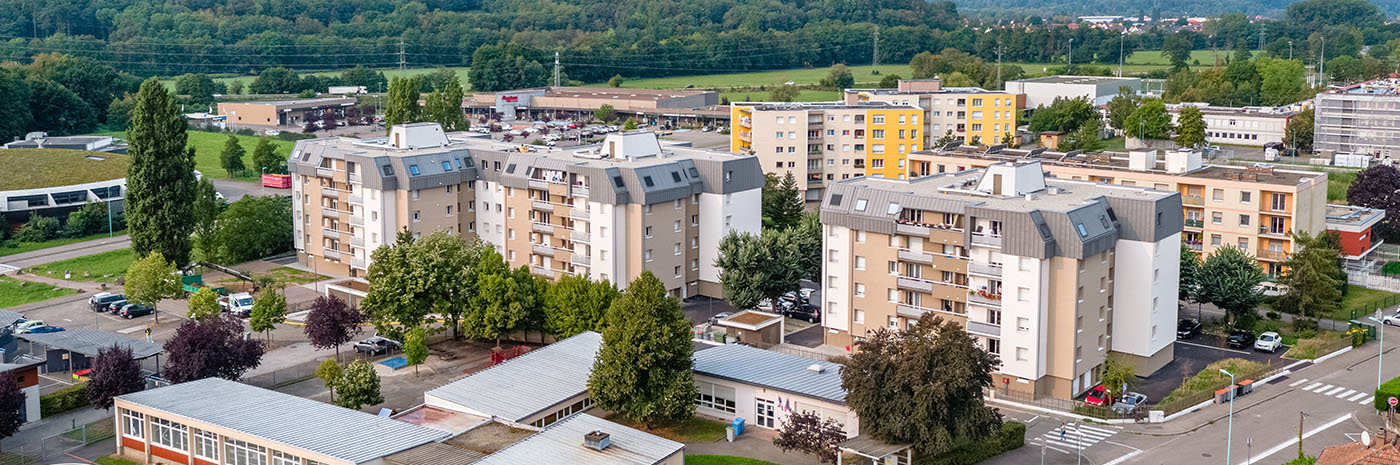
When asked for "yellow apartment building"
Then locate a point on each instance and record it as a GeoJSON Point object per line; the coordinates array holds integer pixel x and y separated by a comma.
{"type": "Point", "coordinates": [973, 115]}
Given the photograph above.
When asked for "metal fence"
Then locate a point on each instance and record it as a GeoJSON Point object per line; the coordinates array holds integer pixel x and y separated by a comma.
{"type": "Point", "coordinates": [296, 373]}
{"type": "Point", "coordinates": [58, 444]}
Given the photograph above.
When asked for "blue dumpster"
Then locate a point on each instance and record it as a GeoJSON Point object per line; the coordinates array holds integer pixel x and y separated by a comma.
{"type": "Point", "coordinates": [738, 425]}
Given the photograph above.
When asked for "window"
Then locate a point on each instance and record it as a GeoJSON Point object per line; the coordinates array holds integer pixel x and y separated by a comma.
{"type": "Point", "coordinates": [1215, 240]}
{"type": "Point", "coordinates": [877, 119]}
{"type": "Point", "coordinates": [894, 267]}
{"type": "Point", "coordinates": [694, 264]}
{"type": "Point", "coordinates": [893, 208]}
{"type": "Point", "coordinates": [714, 397]}
{"type": "Point", "coordinates": [1244, 244]}
{"type": "Point", "coordinates": [1244, 197]}
{"type": "Point", "coordinates": [677, 248]}
{"type": "Point", "coordinates": [414, 194]}
{"type": "Point", "coordinates": [283, 458]}
{"type": "Point", "coordinates": [206, 445]}
{"type": "Point", "coordinates": [646, 231]}
{"type": "Point", "coordinates": [878, 163]}
{"type": "Point", "coordinates": [877, 134]}
{"type": "Point", "coordinates": [677, 226]}
{"type": "Point", "coordinates": [1022, 354]}
{"type": "Point", "coordinates": [168, 434]}
{"type": "Point", "coordinates": [646, 256]}
{"type": "Point", "coordinates": [860, 317]}
{"type": "Point", "coordinates": [1080, 228]}
{"type": "Point", "coordinates": [647, 180]}
{"type": "Point", "coordinates": [133, 424]}
{"type": "Point", "coordinates": [1217, 195]}
{"type": "Point", "coordinates": [860, 290]}
{"type": "Point", "coordinates": [860, 205]}
{"type": "Point", "coordinates": [241, 453]}
{"type": "Point", "coordinates": [446, 166]}
{"type": "Point", "coordinates": [413, 169]}
{"type": "Point", "coordinates": [892, 322]}
{"type": "Point", "coordinates": [1023, 294]}
{"type": "Point", "coordinates": [676, 271]}
{"type": "Point", "coordinates": [1216, 218]}
{"type": "Point", "coordinates": [893, 295]}
{"type": "Point", "coordinates": [860, 262]}
{"type": "Point", "coordinates": [1244, 220]}
{"type": "Point", "coordinates": [415, 216]}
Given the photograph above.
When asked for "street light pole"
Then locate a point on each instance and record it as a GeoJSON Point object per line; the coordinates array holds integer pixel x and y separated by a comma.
{"type": "Point", "coordinates": [1230, 433]}
{"type": "Point", "coordinates": [1380, 351]}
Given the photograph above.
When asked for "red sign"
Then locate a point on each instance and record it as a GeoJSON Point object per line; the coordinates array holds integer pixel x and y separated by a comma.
{"type": "Point", "coordinates": [1005, 380]}
{"type": "Point", "coordinates": [1392, 401]}
{"type": "Point", "coordinates": [509, 98]}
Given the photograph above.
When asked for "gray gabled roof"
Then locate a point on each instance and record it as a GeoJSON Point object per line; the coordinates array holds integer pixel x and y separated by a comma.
{"type": "Point", "coordinates": [345, 434]}
{"type": "Point", "coordinates": [89, 342]}
{"type": "Point", "coordinates": [772, 370]}
{"type": "Point", "coordinates": [562, 443]}
{"type": "Point", "coordinates": [8, 317]}
{"type": "Point", "coordinates": [526, 385]}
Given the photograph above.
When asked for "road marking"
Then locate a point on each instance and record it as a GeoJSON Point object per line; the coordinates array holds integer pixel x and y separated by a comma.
{"type": "Point", "coordinates": [1291, 442]}
{"type": "Point", "coordinates": [1047, 446]}
{"type": "Point", "coordinates": [1212, 347]}
{"type": "Point", "coordinates": [1368, 400]}
{"type": "Point", "coordinates": [1324, 388]}
{"type": "Point", "coordinates": [1334, 391]}
{"type": "Point", "coordinates": [131, 329]}
{"type": "Point", "coordinates": [1357, 396]}
{"type": "Point", "coordinates": [1123, 458]}
{"type": "Point", "coordinates": [1345, 394]}
{"type": "Point", "coordinates": [1296, 383]}
{"type": "Point", "coordinates": [1076, 436]}
{"type": "Point", "coordinates": [7, 268]}
{"type": "Point", "coordinates": [1311, 386]}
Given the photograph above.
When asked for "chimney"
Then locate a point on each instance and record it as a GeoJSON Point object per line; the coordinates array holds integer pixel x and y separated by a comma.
{"type": "Point", "coordinates": [597, 440]}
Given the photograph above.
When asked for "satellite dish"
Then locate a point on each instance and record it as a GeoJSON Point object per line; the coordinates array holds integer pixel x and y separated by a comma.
{"type": "Point", "coordinates": [1366, 439]}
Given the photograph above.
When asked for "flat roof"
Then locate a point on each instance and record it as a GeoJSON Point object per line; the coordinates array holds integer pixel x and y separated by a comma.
{"type": "Point", "coordinates": [621, 93]}
{"type": "Point", "coordinates": [773, 370]}
{"type": "Point", "coordinates": [33, 168]}
{"type": "Point", "coordinates": [1067, 195]}
{"type": "Point", "coordinates": [1257, 112]}
{"type": "Point", "coordinates": [529, 384]}
{"type": "Point", "coordinates": [1352, 215]}
{"type": "Point", "coordinates": [297, 102]}
{"type": "Point", "coordinates": [89, 342]}
{"type": "Point", "coordinates": [345, 434]}
{"type": "Point", "coordinates": [1386, 87]}
{"type": "Point", "coordinates": [944, 90]}
{"type": "Point", "coordinates": [799, 106]}
{"type": "Point", "coordinates": [1075, 79]}
{"type": "Point", "coordinates": [1119, 163]}
{"type": "Point", "coordinates": [23, 361]}
{"type": "Point", "coordinates": [563, 443]}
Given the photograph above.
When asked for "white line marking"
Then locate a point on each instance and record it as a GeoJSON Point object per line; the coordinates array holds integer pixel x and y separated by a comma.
{"type": "Point", "coordinates": [1099, 430]}
{"type": "Point", "coordinates": [1324, 388]}
{"type": "Point", "coordinates": [1212, 347]}
{"type": "Point", "coordinates": [1296, 383]}
{"type": "Point", "coordinates": [1291, 442]}
{"type": "Point", "coordinates": [1122, 445]}
{"type": "Point", "coordinates": [1300, 362]}
{"type": "Point", "coordinates": [1047, 446]}
{"type": "Point", "coordinates": [1123, 458]}
{"type": "Point", "coordinates": [1345, 394]}
{"type": "Point", "coordinates": [1311, 386]}
{"type": "Point", "coordinates": [1357, 396]}
{"type": "Point", "coordinates": [1033, 419]}
{"type": "Point", "coordinates": [131, 329]}
{"type": "Point", "coordinates": [7, 268]}
{"type": "Point", "coordinates": [1063, 444]}
{"type": "Point", "coordinates": [1369, 400]}
{"type": "Point", "coordinates": [1334, 391]}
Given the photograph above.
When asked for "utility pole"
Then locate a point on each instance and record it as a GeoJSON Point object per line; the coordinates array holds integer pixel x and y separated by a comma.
{"type": "Point", "coordinates": [1070, 61]}
{"type": "Point", "coordinates": [1300, 432]}
{"type": "Point", "coordinates": [1322, 61]}
{"type": "Point", "coordinates": [1290, 49]}
{"type": "Point", "coordinates": [875, 69]}
{"type": "Point", "coordinates": [1262, 28]}
{"type": "Point", "coordinates": [1121, 37]}
{"type": "Point", "coordinates": [556, 68]}
{"type": "Point", "coordinates": [402, 61]}
{"type": "Point", "coordinates": [999, 83]}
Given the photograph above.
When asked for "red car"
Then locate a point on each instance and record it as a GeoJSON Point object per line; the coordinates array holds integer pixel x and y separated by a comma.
{"type": "Point", "coordinates": [1099, 396]}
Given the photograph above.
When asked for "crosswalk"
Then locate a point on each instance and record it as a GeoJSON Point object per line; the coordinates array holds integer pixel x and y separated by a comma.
{"type": "Point", "coordinates": [1330, 390]}
{"type": "Point", "coordinates": [1075, 436]}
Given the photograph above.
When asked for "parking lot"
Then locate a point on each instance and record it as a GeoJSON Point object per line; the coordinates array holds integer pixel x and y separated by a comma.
{"type": "Point", "coordinates": [1192, 355]}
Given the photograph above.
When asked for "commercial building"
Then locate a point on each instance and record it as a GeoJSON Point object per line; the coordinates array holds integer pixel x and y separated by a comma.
{"type": "Point", "coordinates": [213, 421]}
{"type": "Point", "coordinates": [1043, 91]}
{"type": "Point", "coordinates": [1359, 118]}
{"type": "Point", "coordinates": [1353, 226]}
{"type": "Point", "coordinates": [679, 107]}
{"type": "Point", "coordinates": [282, 113]}
{"type": "Point", "coordinates": [969, 114]}
{"type": "Point", "coordinates": [1253, 208]}
{"type": "Point", "coordinates": [1251, 126]}
{"type": "Point", "coordinates": [766, 387]}
{"type": "Point", "coordinates": [54, 182]}
{"type": "Point", "coordinates": [41, 140]}
{"type": "Point", "coordinates": [536, 389]}
{"type": "Point", "coordinates": [606, 211]}
{"type": "Point", "coordinates": [1050, 274]}
{"type": "Point", "coordinates": [820, 143]}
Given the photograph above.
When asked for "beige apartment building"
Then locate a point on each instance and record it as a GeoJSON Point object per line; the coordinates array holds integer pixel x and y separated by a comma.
{"type": "Point", "coordinates": [1254, 208]}
{"type": "Point", "coordinates": [1052, 275]}
{"type": "Point", "coordinates": [606, 211]}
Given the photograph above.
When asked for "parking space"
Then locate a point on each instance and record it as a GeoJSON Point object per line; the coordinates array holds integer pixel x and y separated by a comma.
{"type": "Point", "coordinates": [1192, 355]}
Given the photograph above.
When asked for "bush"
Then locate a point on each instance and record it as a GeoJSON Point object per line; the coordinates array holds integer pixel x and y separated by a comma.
{"type": "Point", "coordinates": [64, 400]}
{"type": "Point", "coordinates": [1385, 392]}
{"type": "Point", "coordinates": [1272, 315]}
{"type": "Point", "coordinates": [1391, 268]}
{"type": "Point", "coordinates": [1210, 378]}
{"type": "Point", "coordinates": [37, 229]}
{"type": "Point", "coordinates": [1011, 437]}
{"type": "Point", "coordinates": [1304, 325]}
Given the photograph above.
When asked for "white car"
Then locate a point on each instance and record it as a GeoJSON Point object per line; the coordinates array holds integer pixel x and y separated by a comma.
{"type": "Point", "coordinates": [27, 325]}
{"type": "Point", "coordinates": [272, 132]}
{"type": "Point", "coordinates": [1269, 341]}
{"type": "Point", "coordinates": [1393, 320]}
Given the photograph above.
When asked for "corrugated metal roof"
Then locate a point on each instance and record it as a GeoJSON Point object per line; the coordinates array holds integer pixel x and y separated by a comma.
{"type": "Point", "coordinates": [562, 443]}
{"type": "Point", "coordinates": [345, 434]}
{"type": "Point", "coordinates": [528, 384]}
{"type": "Point", "coordinates": [88, 341]}
{"type": "Point", "coordinates": [8, 317]}
{"type": "Point", "coordinates": [434, 453]}
{"type": "Point", "coordinates": [773, 370]}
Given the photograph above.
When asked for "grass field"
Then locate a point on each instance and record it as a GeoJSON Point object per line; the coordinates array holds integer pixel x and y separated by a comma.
{"type": "Point", "coordinates": [1361, 302]}
{"type": "Point", "coordinates": [293, 275]}
{"type": "Point", "coordinates": [390, 73]}
{"type": "Point", "coordinates": [103, 267]}
{"type": "Point", "coordinates": [35, 168]}
{"type": "Point", "coordinates": [1154, 57]}
{"type": "Point", "coordinates": [208, 146]}
{"type": "Point", "coordinates": [32, 246]}
{"type": "Point", "coordinates": [723, 460]}
{"type": "Point", "coordinates": [1337, 184]}
{"type": "Point", "coordinates": [14, 292]}
{"type": "Point", "coordinates": [695, 429]}
{"type": "Point", "coordinates": [113, 460]}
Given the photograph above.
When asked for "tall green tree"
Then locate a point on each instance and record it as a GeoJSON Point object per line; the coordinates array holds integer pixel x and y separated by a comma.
{"type": "Point", "coordinates": [231, 158]}
{"type": "Point", "coordinates": [889, 81]}
{"type": "Point", "coordinates": [784, 93]}
{"type": "Point", "coordinates": [276, 80]}
{"type": "Point", "coordinates": [444, 106]}
{"type": "Point", "coordinates": [207, 207]}
{"type": "Point", "coordinates": [396, 298]}
{"type": "Point", "coordinates": [358, 386]}
{"type": "Point", "coordinates": [605, 113]}
{"type": "Point", "coordinates": [575, 304]}
{"type": "Point", "coordinates": [269, 310]}
{"type": "Point", "coordinates": [1085, 138]}
{"type": "Point", "coordinates": [204, 304]}
{"type": "Point", "coordinates": [505, 302]}
{"type": "Point", "coordinates": [1188, 287]}
{"type": "Point", "coordinates": [1121, 106]}
{"type": "Point", "coordinates": [330, 373]}
{"type": "Point", "coordinates": [266, 159]}
{"type": "Point", "coordinates": [58, 110]}
{"type": "Point", "coordinates": [758, 267]}
{"type": "Point", "coordinates": [401, 106]}
{"type": "Point", "coordinates": [1281, 81]}
{"type": "Point", "coordinates": [160, 177]}
{"type": "Point", "coordinates": [1176, 48]}
{"type": "Point", "coordinates": [254, 227]}
{"type": "Point", "coordinates": [198, 87]}
{"type": "Point", "coordinates": [150, 279]}
{"type": "Point", "coordinates": [806, 238]}
{"type": "Point", "coordinates": [1298, 135]}
{"type": "Point", "coordinates": [1230, 280]}
{"type": "Point", "coordinates": [923, 386]}
{"type": "Point", "coordinates": [1149, 121]}
{"type": "Point", "coordinates": [503, 67]}
{"type": "Point", "coordinates": [372, 80]}
{"type": "Point", "coordinates": [782, 202]}
{"type": "Point", "coordinates": [838, 77]}
{"type": "Point", "coordinates": [415, 348]}
{"type": "Point", "coordinates": [447, 263]}
{"type": "Point", "coordinates": [1190, 127]}
{"type": "Point", "coordinates": [1311, 276]}
{"type": "Point", "coordinates": [643, 371]}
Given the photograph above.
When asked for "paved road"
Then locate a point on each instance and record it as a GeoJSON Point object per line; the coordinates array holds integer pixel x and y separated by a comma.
{"type": "Point", "coordinates": [64, 252]}
{"type": "Point", "coordinates": [234, 190]}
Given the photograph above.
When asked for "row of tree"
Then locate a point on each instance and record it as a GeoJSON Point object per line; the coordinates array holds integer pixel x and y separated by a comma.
{"type": "Point", "coordinates": [58, 94]}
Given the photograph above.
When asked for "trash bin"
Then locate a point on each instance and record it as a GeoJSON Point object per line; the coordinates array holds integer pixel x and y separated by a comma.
{"type": "Point", "coordinates": [729, 433]}
{"type": "Point", "coordinates": [738, 425]}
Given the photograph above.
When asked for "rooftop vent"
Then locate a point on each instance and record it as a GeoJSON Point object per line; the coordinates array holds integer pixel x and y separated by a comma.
{"type": "Point", "coordinates": [597, 440]}
{"type": "Point", "coordinates": [816, 368]}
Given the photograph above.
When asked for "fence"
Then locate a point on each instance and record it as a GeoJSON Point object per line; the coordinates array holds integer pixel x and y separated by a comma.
{"type": "Point", "coordinates": [58, 444]}
{"type": "Point", "coordinates": [1178, 404]}
{"type": "Point", "coordinates": [299, 372]}
{"type": "Point", "coordinates": [1369, 307]}
{"type": "Point", "coordinates": [803, 352]}
{"type": "Point", "coordinates": [1374, 281]}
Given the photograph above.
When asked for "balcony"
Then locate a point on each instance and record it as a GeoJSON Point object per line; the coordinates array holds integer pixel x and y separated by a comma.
{"type": "Point", "coordinates": [357, 199]}
{"type": "Point", "coordinates": [984, 329]}
{"type": "Point", "coordinates": [579, 191]}
{"type": "Point", "coordinates": [1192, 200]}
{"type": "Point", "coordinates": [911, 229]}
{"type": "Point", "coordinates": [542, 205]}
{"type": "Point", "coordinates": [984, 269]}
{"type": "Point", "coordinates": [579, 213]}
{"type": "Point", "coordinates": [331, 253]}
{"type": "Point", "coordinates": [745, 122]}
{"type": "Point", "coordinates": [989, 240]}
{"type": "Point", "coordinates": [335, 232]}
{"type": "Point", "coordinates": [537, 184]}
{"type": "Point", "coordinates": [329, 212]}
{"type": "Point", "coordinates": [579, 236]}
{"type": "Point", "coordinates": [542, 271]}
{"type": "Point", "coordinates": [357, 262]}
{"type": "Point", "coordinates": [745, 137]}
{"type": "Point", "coordinates": [325, 172]}
{"type": "Point", "coordinates": [984, 298]}
{"type": "Point", "coordinates": [914, 284]}
{"type": "Point", "coordinates": [1273, 255]}
{"type": "Point", "coordinates": [357, 242]}
{"type": "Point", "coordinates": [542, 250]}
{"type": "Point", "coordinates": [1269, 232]}
{"type": "Point", "coordinates": [357, 220]}
{"type": "Point", "coordinates": [814, 180]}
{"type": "Point", "coordinates": [580, 260]}
{"type": "Point", "coordinates": [543, 228]}
{"type": "Point", "coordinates": [911, 256]}
{"type": "Point", "coordinates": [1194, 246]}
{"type": "Point", "coordinates": [1190, 223]}
{"type": "Point", "coordinates": [916, 311]}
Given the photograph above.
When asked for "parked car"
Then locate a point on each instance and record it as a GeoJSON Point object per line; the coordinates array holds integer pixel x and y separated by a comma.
{"type": "Point", "coordinates": [1393, 320]}
{"type": "Point", "coordinates": [1130, 402]}
{"type": "Point", "coordinates": [1099, 396]}
{"type": "Point", "coordinates": [720, 316]}
{"type": "Point", "coordinates": [45, 329]}
{"type": "Point", "coordinates": [1269, 341]}
{"type": "Point", "coordinates": [114, 306]}
{"type": "Point", "coordinates": [809, 313]}
{"type": "Point", "coordinates": [24, 326]}
{"type": "Point", "coordinates": [1188, 328]}
{"type": "Point", "coordinates": [130, 311]}
{"type": "Point", "coordinates": [377, 345]}
{"type": "Point", "coordinates": [99, 301]}
{"type": "Point", "coordinates": [1240, 339]}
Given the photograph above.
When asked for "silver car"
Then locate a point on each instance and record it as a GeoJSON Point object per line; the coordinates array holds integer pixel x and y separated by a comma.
{"type": "Point", "coordinates": [1129, 402]}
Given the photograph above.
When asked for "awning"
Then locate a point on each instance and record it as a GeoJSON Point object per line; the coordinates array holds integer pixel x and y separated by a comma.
{"type": "Point", "coordinates": [89, 342]}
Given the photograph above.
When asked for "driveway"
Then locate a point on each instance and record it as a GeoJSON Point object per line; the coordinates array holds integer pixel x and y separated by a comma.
{"type": "Point", "coordinates": [1191, 356]}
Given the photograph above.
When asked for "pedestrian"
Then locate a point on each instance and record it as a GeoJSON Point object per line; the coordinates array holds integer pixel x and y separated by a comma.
{"type": "Point", "coordinates": [148, 335]}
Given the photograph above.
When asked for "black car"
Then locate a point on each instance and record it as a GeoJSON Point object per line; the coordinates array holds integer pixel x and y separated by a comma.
{"type": "Point", "coordinates": [1240, 339]}
{"type": "Point", "coordinates": [1188, 328]}
{"type": "Point", "coordinates": [377, 345]}
{"type": "Point", "coordinates": [131, 310]}
{"type": "Point", "coordinates": [810, 313]}
{"type": "Point", "coordinates": [102, 302]}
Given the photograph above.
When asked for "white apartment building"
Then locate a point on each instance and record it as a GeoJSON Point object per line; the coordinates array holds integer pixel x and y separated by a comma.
{"type": "Point", "coordinates": [1251, 126]}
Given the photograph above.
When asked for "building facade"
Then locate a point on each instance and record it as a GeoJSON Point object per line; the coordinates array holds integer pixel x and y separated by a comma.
{"type": "Point", "coordinates": [1052, 275]}
{"type": "Point", "coordinates": [282, 113]}
{"type": "Point", "coordinates": [1353, 226]}
{"type": "Point", "coordinates": [605, 211]}
{"type": "Point", "coordinates": [820, 143]}
{"type": "Point", "coordinates": [1043, 91]}
{"type": "Point", "coordinates": [1359, 118]}
{"type": "Point", "coordinates": [767, 387]}
{"type": "Point", "coordinates": [1252, 208]}
{"type": "Point", "coordinates": [970, 115]}
{"type": "Point", "coordinates": [1251, 126]}
{"type": "Point", "coordinates": [681, 107]}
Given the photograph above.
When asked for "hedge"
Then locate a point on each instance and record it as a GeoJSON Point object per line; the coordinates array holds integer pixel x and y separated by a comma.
{"type": "Point", "coordinates": [1011, 436]}
{"type": "Point", "coordinates": [1385, 392]}
{"type": "Point", "coordinates": [63, 400]}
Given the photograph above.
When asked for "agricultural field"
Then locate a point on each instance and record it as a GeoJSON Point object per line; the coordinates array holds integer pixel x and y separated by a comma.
{"type": "Point", "coordinates": [1154, 57]}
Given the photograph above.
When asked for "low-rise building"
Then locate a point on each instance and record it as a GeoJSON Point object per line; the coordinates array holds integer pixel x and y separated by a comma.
{"type": "Point", "coordinates": [765, 387]}
{"type": "Point", "coordinates": [42, 140]}
{"type": "Point", "coordinates": [70, 180]}
{"type": "Point", "coordinates": [536, 389]}
{"type": "Point", "coordinates": [282, 113]}
{"type": "Point", "coordinates": [1043, 91]}
{"type": "Point", "coordinates": [680, 107]}
{"type": "Point", "coordinates": [25, 370]}
{"type": "Point", "coordinates": [586, 439]}
{"type": "Point", "coordinates": [1353, 226]}
{"type": "Point", "coordinates": [1250, 126]}
{"type": "Point", "coordinates": [972, 115]}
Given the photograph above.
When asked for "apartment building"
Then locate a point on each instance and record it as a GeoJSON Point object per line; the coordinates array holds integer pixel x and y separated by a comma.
{"type": "Point", "coordinates": [820, 143]}
{"type": "Point", "coordinates": [973, 115]}
{"type": "Point", "coordinates": [606, 211]}
{"type": "Point", "coordinates": [1253, 208]}
{"type": "Point", "coordinates": [1359, 118]}
{"type": "Point", "coordinates": [1251, 126]}
{"type": "Point", "coordinates": [1050, 274]}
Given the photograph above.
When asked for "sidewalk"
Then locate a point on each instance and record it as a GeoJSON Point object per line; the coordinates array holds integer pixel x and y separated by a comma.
{"type": "Point", "coordinates": [55, 425]}
{"type": "Point", "coordinates": [64, 252]}
{"type": "Point", "coordinates": [755, 443]}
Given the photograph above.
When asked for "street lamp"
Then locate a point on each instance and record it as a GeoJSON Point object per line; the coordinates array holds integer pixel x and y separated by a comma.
{"type": "Point", "coordinates": [1380, 357]}
{"type": "Point", "coordinates": [1229, 435]}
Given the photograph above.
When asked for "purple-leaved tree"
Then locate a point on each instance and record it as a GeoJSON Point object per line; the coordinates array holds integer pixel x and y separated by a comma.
{"type": "Point", "coordinates": [332, 323]}
{"type": "Point", "coordinates": [210, 348]}
{"type": "Point", "coordinates": [114, 372]}
{"type": "Point", "coordinates": [1379, 187]}
{"type": "Point", "coordinates": [11, 400]}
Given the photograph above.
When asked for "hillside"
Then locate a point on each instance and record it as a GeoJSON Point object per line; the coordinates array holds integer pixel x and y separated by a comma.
{"type": "Point", "coordinates": [1194, 8]}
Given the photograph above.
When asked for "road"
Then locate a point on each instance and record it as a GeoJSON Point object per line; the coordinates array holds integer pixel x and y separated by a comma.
{"type": "Point", "coordinates": [53, 254]}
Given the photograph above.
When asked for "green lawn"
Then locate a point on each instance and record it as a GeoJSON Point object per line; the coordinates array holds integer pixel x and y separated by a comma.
{"type": "Point", "coordinates": [1211, 378]}
{"type": "Point", "coordinates": [805, 95]}
{"type": "Point", "coordinates": [1115, 144]}
{"type": "Point", "coordinates": [390, 73]}
{"type": "Point", "coordinates": [695, 429]}
{"type": "Point", "coordinates": [1337, 184]}
{"type": "Point", "coordinates": [35, 168]}
{"type": "Point", "coordinates": [103, 267]}
{"type": "Point", "coordinates": [1154, 57]}
{"type": "Point", "coordinates": [723, 460]}
{"type": "Point", "coordinates": [23, 247]}
{"type": "Point", "coordinates": [1361, 302]}
{"type": "Point", "coordinates": [113, 460]}
{"type": "Point", "coordinates": [208, 146]}
{"type": "Point", "coordinates": [14, 292]}
{"type": "Point", "coordinates": [293, 275]}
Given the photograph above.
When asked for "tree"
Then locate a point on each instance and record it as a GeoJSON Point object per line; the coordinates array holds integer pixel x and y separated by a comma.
{"type": "Point", "coordinates": [1281, 81]}
{"type": "Point", "coordinates": [331, 323]}
{"type": "Point", "coordinates": [839, 77]}
{"type": "Point", "coordinates": [276, 80]}
{"type": "Point", "coordinates": [269, 310]}
{"type": "Point", "coordinates": [805, 432]}
{"type": "Point", "coordinates": [1299, 132]}
{"type": "Point", "coordinates": [401, 105]}
{"type": "Point", "coordinates": [206, 212]}
{"type": "Point", "coordinates": [14, 104]}
{"type": "Point", "coordinates": [231, 159]}
{"type": "Point", "coordinates": [210, 348]}
{"type": "Point", "coordinates": [806, 240]}
{"type": "Point", "coordinates": [397, 295]}
{"type": "Point", "coordinates": [266, 159]}
{"type": "Point", "coordinates": [1190, 127]}
{"type": "Point", "coordinates": [784, 93]}
{"type": "Point", "coordinates": [58, 110]}
{"type": "Point", "coordinates": [575, 304]}
{"type": "Point", "coordinates": [114, 372]}
{"type": "Point", "coordinates": [447, 263]}
{"type": "Point", "coordinates": [330, 372]}
{"type": "Point", "coordinates": [630, 124]}
{"type": "Point", "coordinates": [1116, 374]}
{"type": "Point", "coordinates": [151, 279]}
{"type": "Point", "coordinates": [782, 202]}
{"type": "Point", "coordinates": [504, 301]}
{"type": "Point", "coordinates": [204, 304]}
{"type": "Point", "coordinates": [1176, 48]}
{"type": "Point", "coordinates": [160, 180]}
{"type": "Point", "coordinates": [922, 386]}
{"type": "Point", "coordinates": [758, 267]}
{"type": "Point", "coordinates": [1149, 121]}
{"type": "Point", "coordinates": [923, 65]}
{"type": "Point", "coordinates": [504, 67]}
{"type": "Point", "coordinates": [615, 81]}
{"type": "Point", "coordinates": [604, 113]}
{"type": "Point", "coordinates": [235, 87]}
{"type": "Point", "coordinates": [643, 371]}
{"type": "Point", "coordinates": [1311, 276]}
{"type": "Point", "coordinates": [1376, 187]}
{"type": "Point", "coordinates": [1121, 106]}
{"type": "Point", "coordinates": [1085, 138]}
{"type": "Point", "coordinates": [1229, 279]}
{"type": "Point", "coordinates": [415, 348]}
{"type": "Point", "coordinates": [444, 106]}
{"type": "Point", "coordinates": [254, 227]}
{"type": "Point", "coordinates": [1188, 287]}
{"type": "Point", "coordinates": [947, 138]}
{"type": "Point", "coordinates": [358, 386]}
{"type": "Point", "coordinates": [199, 87]}
{"type": "Point", "coordinates": [889, 81]}
{"type": "Point", "coordinates": [11, 400]}
{"type": "Point", "coordinates": [1042, 119]}
{"type": "Point", "coordinates": [39, 228]}
{"type": "Point", "coordinates": [118, 112]}
{"type": "Point", "coordinates": [371, 80]}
